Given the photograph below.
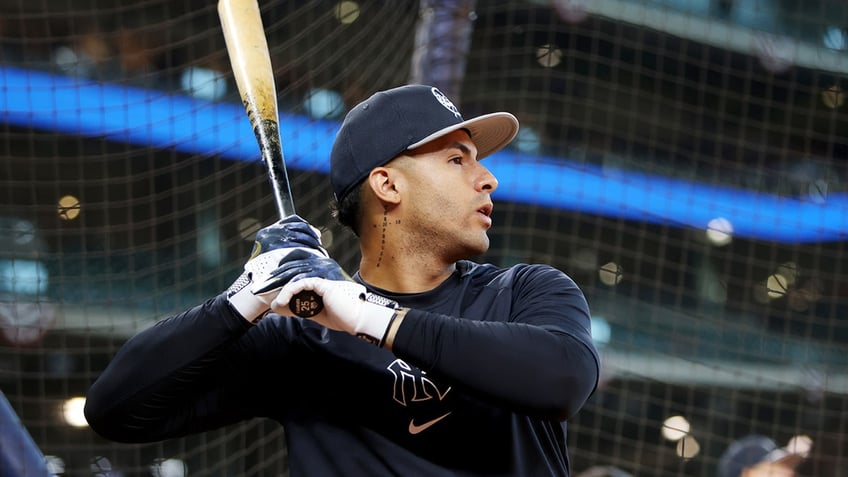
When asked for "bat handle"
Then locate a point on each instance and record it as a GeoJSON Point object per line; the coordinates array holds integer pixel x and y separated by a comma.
{"type": "Point", "coordinates": [306, 304]}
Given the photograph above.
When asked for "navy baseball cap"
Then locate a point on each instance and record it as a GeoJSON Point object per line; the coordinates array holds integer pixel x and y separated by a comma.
{"type": "Point", "coordinates": [389, 122]}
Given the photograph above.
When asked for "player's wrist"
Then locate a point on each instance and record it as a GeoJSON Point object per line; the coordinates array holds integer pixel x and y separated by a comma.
{"type": "Point", "coordinates": [248, 305]}
{"type": "Point", "coordinates": [252, 305]}
{"type": "Point", "coordinates": [391, 331]}
{"type": "Point", "coordinates": [373, 322]}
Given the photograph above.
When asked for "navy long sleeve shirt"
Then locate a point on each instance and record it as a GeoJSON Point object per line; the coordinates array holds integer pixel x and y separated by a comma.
{"type": "Point", "coordinates": [484, 372]}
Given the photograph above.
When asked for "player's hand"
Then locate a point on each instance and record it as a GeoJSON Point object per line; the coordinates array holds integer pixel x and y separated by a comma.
{"type": "Point", "coordinates": [298, 266]}
{"type": "Point", "coordinates": [291, 237]}
{"type": "Point", "coordinates": [347, 307]}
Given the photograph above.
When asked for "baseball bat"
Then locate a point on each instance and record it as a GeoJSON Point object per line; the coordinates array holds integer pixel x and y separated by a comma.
{"type": "Point", "coordinates": [250, 59]}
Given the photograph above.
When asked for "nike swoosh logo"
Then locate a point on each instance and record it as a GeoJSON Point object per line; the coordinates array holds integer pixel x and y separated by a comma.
{"type": "Point", "coordinates": [415, 429]}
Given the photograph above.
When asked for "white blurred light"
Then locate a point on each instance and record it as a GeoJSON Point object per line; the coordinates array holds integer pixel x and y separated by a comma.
{"type": "Point", "coordinates": [833, 97]}
{"type": "Point", "coordinates": [65, 58]}
{"type": "Point", "coordinates": [601, 331]}
{"type": "Point", "coordinates": [101, 466]}
{"type": "Point", "coordinates": [71, 63]}
{"type": "Point", "coordinates": [688, 447]}
{"type": "Point", "coordinates": [68, 207]}
{"type": "Point", "coordinates": [549, 55]}
{"type": "Point", "coordinates": [24, 231]}
{"type": "Point", "coordinates": [322, 103]}
{"type": "Point", "coordinates": [776, 285]}
{"type": "Point", "coordinates": [528, 140]}
{"type": "Point", "coordinates": [72, 412]}
{"type": "Point", "coordinates": [346, 12]}
{"type": "Point", "coordinates": [610, 274]}
{"type": "Point", "coordinates": [800, 445]}
{"type": "Point", "coordinates": [55, 465]}
{"type": "Point", "coordinates": [169, 468]}
{"type": "Point", "coordinates": [675, 428]}
{"type": "Point", "coordinates": [834, 38]}
{"type": "Point", "coordinates": [23, 277]}
{"type": "Point", "coordinates": [719, 231]}
{"type": "Point", "coordinates": [203, 83]}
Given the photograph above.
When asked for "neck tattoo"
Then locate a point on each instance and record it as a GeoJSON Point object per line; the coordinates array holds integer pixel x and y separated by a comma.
{"type": "Point", "coordinates": [383, 237]}
{"type": "Point", "coordinates": [384, 226]}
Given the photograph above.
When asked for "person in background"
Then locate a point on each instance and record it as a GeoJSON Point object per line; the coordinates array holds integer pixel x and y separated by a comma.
{"type": "Point", "coordinates": [759, 456]}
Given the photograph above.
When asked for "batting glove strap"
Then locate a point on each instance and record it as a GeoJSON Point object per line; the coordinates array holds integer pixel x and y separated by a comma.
{"type": "Point", "coordinates": [381, 300]}
{"type": "Point", "coordinates": [373, 323]}
{"type": "Point", "coordinates": [251, 307]}
{"type": "Point", "coordinates": [374, 317]}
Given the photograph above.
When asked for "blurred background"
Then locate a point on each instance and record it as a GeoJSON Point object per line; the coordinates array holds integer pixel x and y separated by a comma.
{"type": "Point", "coordinates": [683, 160]}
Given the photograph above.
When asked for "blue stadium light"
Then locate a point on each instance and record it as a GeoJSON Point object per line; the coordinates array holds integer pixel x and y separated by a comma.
{"type": "Point", "coordinates": [163, 120]}
{"type": "Point", "coordinates": [322, 103]}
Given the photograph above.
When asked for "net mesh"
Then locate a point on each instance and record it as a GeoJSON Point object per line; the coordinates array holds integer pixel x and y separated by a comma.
{"type": "Point", "coordinates": [684, 162]}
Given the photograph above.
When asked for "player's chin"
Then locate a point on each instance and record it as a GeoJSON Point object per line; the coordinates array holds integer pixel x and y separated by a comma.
{"type": "Point", "coordinates": [472, 240]}
{"type": "Point", "coordinates": [478, 246]}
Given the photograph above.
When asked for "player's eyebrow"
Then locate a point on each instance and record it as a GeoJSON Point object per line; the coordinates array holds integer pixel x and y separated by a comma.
{"type": "Point", "coordinates": [462, 147]}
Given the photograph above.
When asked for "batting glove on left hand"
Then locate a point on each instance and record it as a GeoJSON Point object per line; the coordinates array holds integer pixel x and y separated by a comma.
{"type": "Point", "coordinates": [296, 267]}
{"type": "Point", "coordinates": [273, 245]}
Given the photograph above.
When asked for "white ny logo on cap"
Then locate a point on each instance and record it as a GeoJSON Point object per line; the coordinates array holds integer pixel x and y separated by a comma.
{"type": "Point", "coordinates": [446, 102]}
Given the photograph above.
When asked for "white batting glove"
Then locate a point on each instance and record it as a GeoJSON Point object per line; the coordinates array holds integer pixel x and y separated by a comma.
{"type": "Point", "coordinates": [346, 307]}
{"type": "Point", "coordinates": [289, 239]}
{"type": "Point", "coordinates": [240, 294]}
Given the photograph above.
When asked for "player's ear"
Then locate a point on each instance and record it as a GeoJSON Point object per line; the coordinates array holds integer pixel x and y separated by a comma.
{"type": "Point", "coordinates": [383, 184]}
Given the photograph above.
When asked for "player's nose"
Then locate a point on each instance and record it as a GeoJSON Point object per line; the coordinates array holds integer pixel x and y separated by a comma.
{"type": "Point", "coordinates": [486, 181]}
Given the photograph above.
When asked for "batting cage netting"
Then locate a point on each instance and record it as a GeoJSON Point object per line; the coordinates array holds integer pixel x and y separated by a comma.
{"type": "Point", "coordinates": [683, 161]}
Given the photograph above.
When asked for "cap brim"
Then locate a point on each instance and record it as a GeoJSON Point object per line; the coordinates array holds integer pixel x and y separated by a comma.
{"type": "Point", "coordinates": [785, 458]}
{"type": "Point", "coordinates": [490, 132]}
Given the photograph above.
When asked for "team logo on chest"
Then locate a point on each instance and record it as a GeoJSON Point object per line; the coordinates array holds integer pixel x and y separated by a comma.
{"type": "Point", "coordinates": [413, 389]}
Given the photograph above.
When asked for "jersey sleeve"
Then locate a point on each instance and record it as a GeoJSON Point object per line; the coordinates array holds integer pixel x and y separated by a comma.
{"type": "Point", "coordinates": [537, 357]}
{"type": "Point", "coordinates": [179, 376]}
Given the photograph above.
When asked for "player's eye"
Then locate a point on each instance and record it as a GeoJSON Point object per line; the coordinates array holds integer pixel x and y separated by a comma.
{"type": "Point", "coordinates": [456, 160]}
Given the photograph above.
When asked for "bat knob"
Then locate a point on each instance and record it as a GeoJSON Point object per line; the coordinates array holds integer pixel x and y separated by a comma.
{"type": "Point", "coordinates": [306, 304]}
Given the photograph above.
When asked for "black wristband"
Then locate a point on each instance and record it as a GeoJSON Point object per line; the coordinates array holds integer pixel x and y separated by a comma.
{"type": "Point", "coordinates": [386, 334]}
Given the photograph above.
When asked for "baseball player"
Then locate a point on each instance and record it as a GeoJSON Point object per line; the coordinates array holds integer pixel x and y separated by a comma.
{"type": "Point", "coordinates": [756, 455]}
{"type": "Point", "coordinates": [422, 363]}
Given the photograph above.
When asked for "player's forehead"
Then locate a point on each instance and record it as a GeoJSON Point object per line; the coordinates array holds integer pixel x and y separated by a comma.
{"type": "Point", "coordinates": [459, 140]}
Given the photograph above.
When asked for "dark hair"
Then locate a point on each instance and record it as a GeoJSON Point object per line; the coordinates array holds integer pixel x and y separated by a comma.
{"type": "Point", "coordinates": [348, 212]}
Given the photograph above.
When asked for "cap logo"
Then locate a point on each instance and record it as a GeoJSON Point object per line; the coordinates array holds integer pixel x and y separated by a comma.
{"type": "Point", "coordinates": [446, 102]}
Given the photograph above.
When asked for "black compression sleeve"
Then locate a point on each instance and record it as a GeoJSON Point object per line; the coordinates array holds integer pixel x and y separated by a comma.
{"type": "Point", "coordinates": [530, 369]}
{"type": "Point", "coordinates": [146, 391]}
